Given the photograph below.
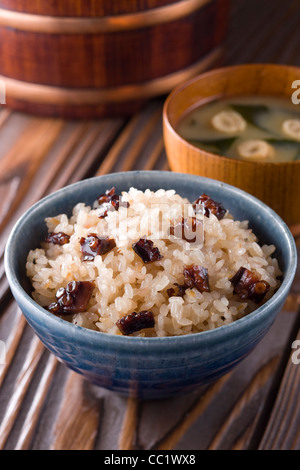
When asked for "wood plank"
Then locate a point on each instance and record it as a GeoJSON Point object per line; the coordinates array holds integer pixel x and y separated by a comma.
{"type": "Point", "coordinates": [129, 426]}
{"type": "Point", "coordinates": [250, 31]}
{"type": "Point", "coordinates": [113, 155]}
{"type": "Point", "coordinates": [141, 141]}
{"type": "Point", "coordinates": [22, 383]}
{"type": "Point", "coordinates": [33, 414]}
{"type": "Point", "coordinates": [171, 440]}
{"type": "Point", "coordinates": [25, 157]}
{"type": "Point", "coordinates": [282, 431]}
{"type": "Point", "coordinates": [258, 406]}
{"type": "Point", "coordinates": [78, 419]}
{"type": "Point", "coordinates": [232, 415]}
{"type": "Point", "coordinates": [133, 147]}
{"type": "Point", "coordinates": [155, 155]}
{"type": "Point", "coordinates": [274, 44]}
{"type": "Point", "coordinates": [12, 342]}
{"type": "Point", "coordinates": [258, 382]}
{"type": "Point", "coordinates": [92, 145]}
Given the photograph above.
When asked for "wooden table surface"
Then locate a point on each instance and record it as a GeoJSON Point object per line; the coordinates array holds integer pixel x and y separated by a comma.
{"type": "Point", "coordinates": [43, 405]}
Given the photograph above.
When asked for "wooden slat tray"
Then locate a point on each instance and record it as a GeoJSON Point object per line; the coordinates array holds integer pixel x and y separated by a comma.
{"type": "Point", "coordinates": [43, 405]}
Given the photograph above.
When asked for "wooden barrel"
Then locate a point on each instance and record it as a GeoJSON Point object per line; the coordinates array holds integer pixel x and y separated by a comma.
{"type": "Point", "coordinates": [95, 58]}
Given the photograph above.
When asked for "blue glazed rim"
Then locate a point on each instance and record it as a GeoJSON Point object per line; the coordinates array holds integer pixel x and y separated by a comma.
{"type": "Point", "coordinates": [26, 302]}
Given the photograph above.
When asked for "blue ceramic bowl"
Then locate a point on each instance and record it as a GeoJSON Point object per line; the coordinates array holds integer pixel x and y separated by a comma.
{"type": "Point", "coordinates": [149, 367]}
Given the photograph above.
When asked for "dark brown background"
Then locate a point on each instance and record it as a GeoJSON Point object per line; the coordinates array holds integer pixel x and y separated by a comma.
{"type": "Point", "coordinates": [45, 406]}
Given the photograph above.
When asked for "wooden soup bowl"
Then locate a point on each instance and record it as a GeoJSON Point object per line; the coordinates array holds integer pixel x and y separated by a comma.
{"type": "Point", "coordinates": [277, 184]}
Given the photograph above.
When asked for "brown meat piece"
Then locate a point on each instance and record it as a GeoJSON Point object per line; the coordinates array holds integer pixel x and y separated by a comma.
{"type": "Point", "coordinates": [74, 298]}
{"type": "Point", "coordinates": [197, 276]}
{"type": "Point", "coordinates": [247, 285]}
{"type": "Point", "coordinates": [146, 250]}
{"type": "Point", "coordinates": [110, 201]}
{"type": "Point", "coordinates": [210, 206]}
{"type": "Point", "coordinates": [59, 238]}
{"type": "Point", "coordinates": [93, 245]}
{"type": "Point", "coordinates": [177, 291]}
{"type": "Point", "coordinates": [136, 321]}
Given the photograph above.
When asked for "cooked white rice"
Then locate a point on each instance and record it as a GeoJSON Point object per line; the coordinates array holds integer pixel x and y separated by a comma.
{"type": "Point", "coordinates": [124, 284]}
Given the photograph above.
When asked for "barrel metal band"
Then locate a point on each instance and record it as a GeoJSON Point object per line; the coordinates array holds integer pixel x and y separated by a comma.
{"type": "Point", "coordinates": [49, 95]}
{"type": "Point", "coordinates": [106, 24]}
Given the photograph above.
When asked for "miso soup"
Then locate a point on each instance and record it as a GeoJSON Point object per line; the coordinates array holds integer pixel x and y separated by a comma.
{"type": "Point", "coordinates": [248, 128]}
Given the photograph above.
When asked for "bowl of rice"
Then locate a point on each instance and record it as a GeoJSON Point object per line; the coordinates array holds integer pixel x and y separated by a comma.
{"type": "Point", "coordinates": [148, 283]}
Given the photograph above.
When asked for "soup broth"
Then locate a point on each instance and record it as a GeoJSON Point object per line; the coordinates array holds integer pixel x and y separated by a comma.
{"type": "Point", "coordinates": [248, 128]}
